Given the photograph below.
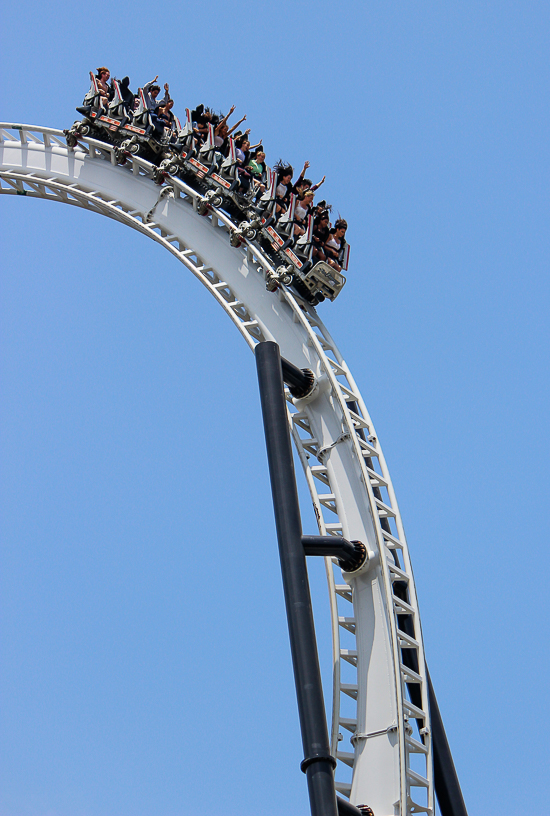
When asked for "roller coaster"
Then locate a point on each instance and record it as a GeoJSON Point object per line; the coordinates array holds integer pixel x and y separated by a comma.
{"type": "Point", "coordinates": [252, 207]}
{"type": "Point", "coordinates": [386, 739]}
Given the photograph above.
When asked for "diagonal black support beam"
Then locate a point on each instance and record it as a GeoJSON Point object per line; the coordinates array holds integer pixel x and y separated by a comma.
{"type": "Point", "coordinates": [318, 764]}
{"type": "Point", "coordinates": [447, 786]}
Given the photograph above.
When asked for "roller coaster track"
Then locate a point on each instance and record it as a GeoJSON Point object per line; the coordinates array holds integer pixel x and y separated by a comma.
{"type": "Point", "coordinates": [381, 733]}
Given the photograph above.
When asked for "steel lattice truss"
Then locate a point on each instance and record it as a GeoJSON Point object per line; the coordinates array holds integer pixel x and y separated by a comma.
{"type": "Point", "coordinates": [381, 738]}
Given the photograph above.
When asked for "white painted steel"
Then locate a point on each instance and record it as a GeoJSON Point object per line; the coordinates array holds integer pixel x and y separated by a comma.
{"type": "Point", "coordinates": [383, 760]}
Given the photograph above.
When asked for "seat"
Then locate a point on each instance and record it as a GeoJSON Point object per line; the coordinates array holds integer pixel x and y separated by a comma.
{"type": "Point", "coordinates": [207, 151]}
{"type": "Point", "coordinates": [343, 258]}
{"type": "Point", "coordinates": [304, 244]}
{"type": "Point", "coordinates": [227, 176]}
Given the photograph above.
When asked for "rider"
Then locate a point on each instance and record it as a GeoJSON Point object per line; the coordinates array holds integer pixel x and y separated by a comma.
{"type": "Point", "coordinates": [151, 90]}
{"type": "Point", "coordinates": [256, 167]}
{"type": "Point", "coordinates": [304, 206]}
{"type": "Point", "coordinates": [283, 189]}
{"type": "Point", "coordinates": [165, 115]}
{"type": "Point", "coordinates": [127, 95]}
{"type": "Point", "coordinates": [102, 78]}
{"type": "Point", "coordinates": [335, 243]}
{"type": "Point", "coordinates": [321, 234]}
{"type": "Point", "coordinates": [223, 132]}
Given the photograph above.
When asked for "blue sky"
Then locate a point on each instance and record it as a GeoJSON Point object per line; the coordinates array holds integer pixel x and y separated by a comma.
{"type": "Point", "coordinates": [146, 667]}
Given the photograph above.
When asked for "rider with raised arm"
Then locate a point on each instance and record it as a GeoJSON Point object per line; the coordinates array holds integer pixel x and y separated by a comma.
{"type": "Point", "coordinates": [102, 78]}
{"type": "Point", "coordinates": [222, 131]}
{"type": "Point", "coordinates": [306, 184]}
{"type": "Point", "coordinates": [151, 90]}
{"type": "Point", "coordinates": [300, 181]}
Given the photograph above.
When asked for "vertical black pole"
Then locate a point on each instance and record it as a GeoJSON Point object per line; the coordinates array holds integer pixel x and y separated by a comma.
{"type": "Point", "coordinates": [318, 764]}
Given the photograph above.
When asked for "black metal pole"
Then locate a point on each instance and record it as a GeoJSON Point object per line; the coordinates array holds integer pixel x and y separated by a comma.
{"type": "Point", "coordinates": [318, 764]}
{"type": "Point", "coordinates": [447, 786]}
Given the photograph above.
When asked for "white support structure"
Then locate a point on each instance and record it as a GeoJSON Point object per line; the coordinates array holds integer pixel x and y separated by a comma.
{"type": "Point", "coordinates": [381, 738]}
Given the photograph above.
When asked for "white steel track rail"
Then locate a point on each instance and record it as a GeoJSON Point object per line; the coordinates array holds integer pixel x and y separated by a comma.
{"type": "Point", "coordinates": [380, 718]}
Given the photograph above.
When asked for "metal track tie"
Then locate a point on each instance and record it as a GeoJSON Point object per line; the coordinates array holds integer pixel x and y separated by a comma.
{"type": "Point", "coordinates": [166, 191]}
{"type": "Point", "coordinates": [342, 438]}
{"type": "Point", "coordinates": [380, 733]}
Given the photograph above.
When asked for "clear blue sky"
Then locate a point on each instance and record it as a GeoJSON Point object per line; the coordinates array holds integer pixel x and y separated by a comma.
{"type": "Point", "coordinates": [145, 662]}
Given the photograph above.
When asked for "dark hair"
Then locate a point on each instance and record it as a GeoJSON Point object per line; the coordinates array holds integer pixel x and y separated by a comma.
{"type": "Point", "coordinates": [101, 71]}
{"type": "Point", "coordinates": [239, 143]}
{"type": "Point", "coordinates": [205, 117]}
{"type": "Point", "coordinates": [283, 169]}
{"type": "Point", "coordinates": [154, 88]}
{"type": "Point", "coordinates": [341, 224]}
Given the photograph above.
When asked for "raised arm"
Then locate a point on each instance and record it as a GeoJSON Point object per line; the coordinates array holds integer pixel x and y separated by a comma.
{"type": "Point", "coordinates": [302, 174]}
{"type": "Point", "coordinates": [316, 186]}
{"type": "Point", "coordinates": [224, 120]}
{"type": "Point", "coordinates": [166, 94]}
{"type": "Point", "coordinates": [229, 132]}
{"type": "Point", "coordinates": [148, 85]}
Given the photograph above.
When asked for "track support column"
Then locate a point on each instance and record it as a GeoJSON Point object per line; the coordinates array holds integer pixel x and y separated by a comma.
{"type": "Point", "coordinates": [447, 786]}
{"type": "Point", "coordinates": [318, 764]}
